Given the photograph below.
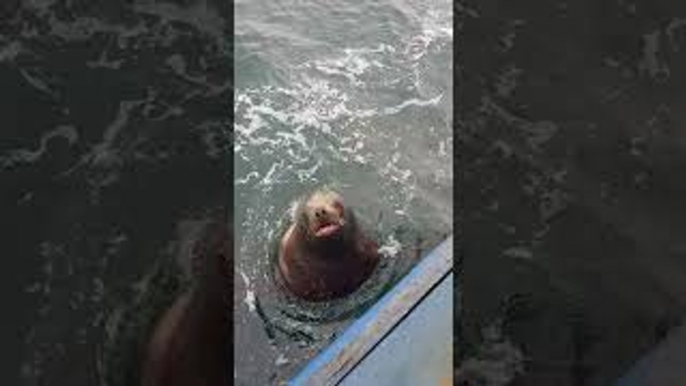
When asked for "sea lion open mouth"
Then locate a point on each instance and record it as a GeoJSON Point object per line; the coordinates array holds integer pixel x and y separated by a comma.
{"type": "Point", "coordinates": [327, 229]}
{"type": "Point", "coordinates": [327, 217]}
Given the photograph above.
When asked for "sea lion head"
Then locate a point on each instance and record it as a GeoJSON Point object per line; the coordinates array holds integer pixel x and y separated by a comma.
{"type": "Point", "coordinates": [324, 254]}
{"type": "Point", "coordinates": [322, 215]}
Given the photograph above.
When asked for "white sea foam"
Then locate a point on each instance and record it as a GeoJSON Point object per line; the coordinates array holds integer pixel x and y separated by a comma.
{"type": "Point", "coordinates": [249, 298]}
{"type": "Point", "coordinates": [391, 247]}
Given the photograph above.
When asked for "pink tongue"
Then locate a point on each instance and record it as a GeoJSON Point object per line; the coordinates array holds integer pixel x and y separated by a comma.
{"type": "Point", "coordinates": [327, 230]}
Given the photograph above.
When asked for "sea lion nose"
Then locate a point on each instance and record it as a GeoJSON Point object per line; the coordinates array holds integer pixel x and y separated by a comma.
{"type": "Point", "coordinates": [319, 213]}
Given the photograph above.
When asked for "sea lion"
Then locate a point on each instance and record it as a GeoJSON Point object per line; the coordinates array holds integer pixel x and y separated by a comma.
{"type": "Point", "coordinates": [324, 254]}
{"type": "Point", "coordinates": [189, 345]}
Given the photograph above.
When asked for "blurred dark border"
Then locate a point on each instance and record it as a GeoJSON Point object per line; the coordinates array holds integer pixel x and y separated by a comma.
{"type": "Point", "coordinates": [570, 156]}
{"type": "Point", "coordinates": [42, 204]}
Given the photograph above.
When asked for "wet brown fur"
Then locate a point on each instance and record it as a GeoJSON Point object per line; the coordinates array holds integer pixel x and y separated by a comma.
{"type": "Point", "coordinates": [189, 345]}
{"type": "Point", "coordinates": [317, 269]}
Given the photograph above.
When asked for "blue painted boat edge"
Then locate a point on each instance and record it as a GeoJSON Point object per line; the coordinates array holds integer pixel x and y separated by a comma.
{"type": "Point", "coordinates": [637, 375]}
{"type": "Point", "coordinates": [360, 325]}
{"type": "Point", "coordinates": [664, 363]}
{"type": "Point", "coordinates": [418, 350]}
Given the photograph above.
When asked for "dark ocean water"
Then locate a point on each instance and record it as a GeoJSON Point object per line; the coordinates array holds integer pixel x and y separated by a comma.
{"type": "Point", "coordinates": [354, 95]}
{"type": "Point", "coordinates": [572, 151]}
{"type": "Point", "coordinates": [114, 136]}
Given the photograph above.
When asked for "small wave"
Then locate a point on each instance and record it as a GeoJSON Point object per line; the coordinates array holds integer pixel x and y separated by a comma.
{"type": "Point", "coordinates": [69, 133]}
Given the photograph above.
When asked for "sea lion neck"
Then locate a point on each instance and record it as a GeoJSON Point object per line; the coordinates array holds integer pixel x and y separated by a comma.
{"type": "Point", "coordinates": [326, 248]}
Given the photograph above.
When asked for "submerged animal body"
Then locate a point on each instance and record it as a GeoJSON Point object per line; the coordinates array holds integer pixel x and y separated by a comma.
{"type": "Point", "coordinates": [324, 254]}
{"type": "Point", "coordinates": [189, 345]}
